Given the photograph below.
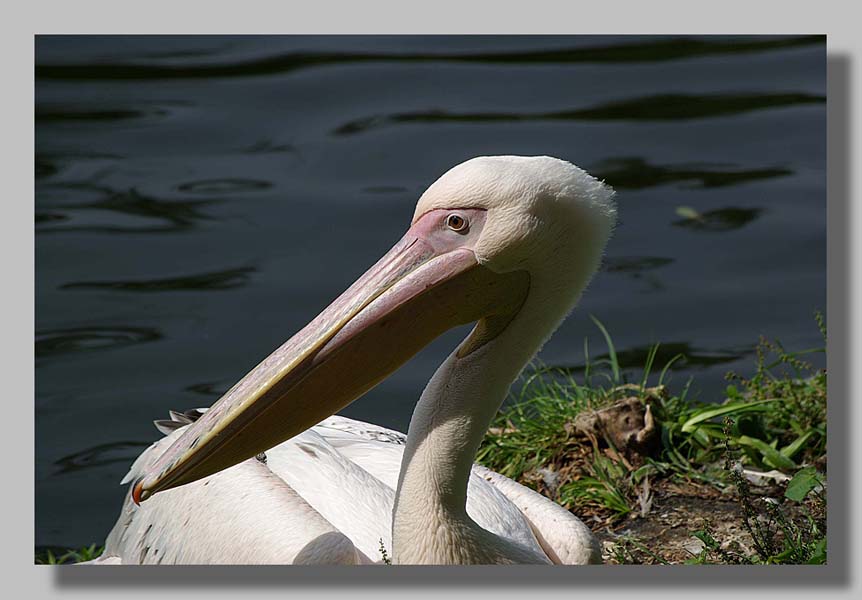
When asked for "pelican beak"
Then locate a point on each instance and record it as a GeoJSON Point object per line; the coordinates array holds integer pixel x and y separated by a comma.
{"type": "Point", "coordinates": [429, 282]}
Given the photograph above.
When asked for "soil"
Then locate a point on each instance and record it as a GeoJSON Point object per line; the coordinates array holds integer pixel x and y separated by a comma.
{"type": "Point", "coordinates": [666, 530]}
{"type": "Point", "coordinates": [664, 534]}
{"type": "Point", "coordinates": [662, 530]}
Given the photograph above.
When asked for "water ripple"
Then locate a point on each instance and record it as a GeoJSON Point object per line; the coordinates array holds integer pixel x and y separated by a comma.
{"type": "Point", "coordinates": [224, 186]}
{"type": "Point", "coordinates": [85, 339]}
{"type": "Point", "coordinates": [635, 264]}
{"type": "Point", "coordinates": [215, 389]}
{"type": "Point", "coordinates": [55, 114]}
{"type": "Point", "coordinates": [44, 168]}
{"type": "Point", "coordinates": [692, 358]}
{"type": "Point", "coordinates": [99, 456]}
{"type": "Point", "coordinates": [661, 49]}
{"type": "Point", "coordinates": [638, 268]}
{"type": "Point", "coordinates": [266, 146]}
{"type": "Point", "coordinates": [46, 217]}
{"type": "Point", "coordinates": [636, 173]}
{"type": "Point", "coordinates": [215, 280]}
{"type": "Point", "coordinates": [722, 219]}
{"type": "Point", "coordinates": [660, 107]}
{"type": "Point", "coordinates": [175, 215]}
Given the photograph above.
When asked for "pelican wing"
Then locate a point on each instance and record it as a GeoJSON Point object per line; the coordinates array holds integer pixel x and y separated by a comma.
{"type": "Point", "coordinates": [243, 515]}
{"type": "Point", "coordinates": [563, 536]}
{"type": "Point", "coordinates": [324, 496]}
{"type": "Point", "coordinates": [356, 502]}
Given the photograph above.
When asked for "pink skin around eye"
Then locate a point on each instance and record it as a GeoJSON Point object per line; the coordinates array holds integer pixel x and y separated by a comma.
{"type": "Point", "coordinates": [432, 228]}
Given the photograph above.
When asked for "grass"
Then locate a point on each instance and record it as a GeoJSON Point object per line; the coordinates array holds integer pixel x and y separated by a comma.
{"type": "Point", "coordinates": [63, 556]}
{"type": "Point", "coordinates": [773, 420]}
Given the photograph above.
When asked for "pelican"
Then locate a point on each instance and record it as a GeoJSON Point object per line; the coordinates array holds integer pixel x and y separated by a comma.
{"type": "Point", "coordinates": [269, 475]}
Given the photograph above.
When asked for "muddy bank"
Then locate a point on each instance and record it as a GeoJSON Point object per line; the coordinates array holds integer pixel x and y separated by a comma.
{"type": "Point", "coordinates": [664, 535]}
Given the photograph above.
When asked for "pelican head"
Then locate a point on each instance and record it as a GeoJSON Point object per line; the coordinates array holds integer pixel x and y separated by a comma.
{"type": "Point", "coordinates": [489, 235]}
{"type": "Point", "coordinates": [539, 211]}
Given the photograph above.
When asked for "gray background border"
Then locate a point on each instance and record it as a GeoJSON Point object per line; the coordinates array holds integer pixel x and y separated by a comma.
{"type": "Point", "coordinates": [840, 578]}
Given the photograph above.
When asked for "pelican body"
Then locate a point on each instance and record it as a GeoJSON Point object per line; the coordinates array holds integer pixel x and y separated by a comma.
{"type": "Point", "coordinates": [268, 475]}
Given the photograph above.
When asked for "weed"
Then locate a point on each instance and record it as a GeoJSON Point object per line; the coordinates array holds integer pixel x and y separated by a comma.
{"type": "Point", "coordinates": [628, 550]}
{"type": "Point", "coordinates": [781, 534]}
{"type": "Point", "coordinates": [55, 556]}
{"type": "Point", "coordinates": [384, 554]}
{"type": "Point", "coordinates": [776, 419]}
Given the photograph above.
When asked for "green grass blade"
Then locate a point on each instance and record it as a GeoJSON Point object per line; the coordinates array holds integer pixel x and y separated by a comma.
{"type": "Point", "coordinates": [791, 449]}
{"type": "Point", "coordinates": [614, 364]}
{"type": "Point", "coordinates": [725, 409]}
{"type": "Point", "coordinates": [648, 365]}
{"type": "Point", "coordinates": [771, 456]}
{"type": "Point", "coordinates": [667, 366]}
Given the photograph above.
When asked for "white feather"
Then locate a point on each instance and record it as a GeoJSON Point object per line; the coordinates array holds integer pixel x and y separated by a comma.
{"type": "Point", "coordinates": [293, 507]}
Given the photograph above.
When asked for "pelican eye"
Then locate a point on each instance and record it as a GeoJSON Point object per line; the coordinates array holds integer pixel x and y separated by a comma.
{"type": "Point", "coordinates": [456, 222]}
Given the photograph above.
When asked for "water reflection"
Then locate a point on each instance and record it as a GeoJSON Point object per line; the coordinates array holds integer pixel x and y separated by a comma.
{"type": "Point", "coordinates": [82, 339]}
{"type": "Point", "coordinates": [638, 268]}
{"type": "Point", "coordinates": [659, 49]}
{"type": "Point", "coordinates": [215, 389]}
{"type": "Point", "coordinates": [46, 165]}
{"type": "Point", "coordinates": [691, 357]}
{"type": "Point", "coordinates": [636, 173]}
{"type": "Point", "coordinates": [54, 114]}
{"type": "Point", "coordinates": [661, 107]}
{"type": "Point", "coordinates": [176, 215]}
{"type": "Point", "coordinates": [634, 265]}
{"type": "Point", "coordinates": [722, 219]}
{"type": "Point", "coordinates": [223, 186]}
{"type": "Point", "coordinates": [100, 456]}
{"type": "Point", "coordinates": [44, 168]}
{"type": "Point", "coordinates": [44, 217]}
{"type": "Point", "coordinates": [269, 147]}
{"type": "Point", "coordinates": [215, 280]}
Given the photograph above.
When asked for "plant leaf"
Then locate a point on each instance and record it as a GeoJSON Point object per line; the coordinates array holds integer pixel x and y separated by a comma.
{"type": "Point", "coordinates": [724, 409]}
{"type": "Point", "coordinates": [771, 456]}
{"type": "Point", "coordinates": [818, 556]}
{"type": "Point", "coordinates": [796, 445]}
{"type": "Point", "coordinates": [803, 482]}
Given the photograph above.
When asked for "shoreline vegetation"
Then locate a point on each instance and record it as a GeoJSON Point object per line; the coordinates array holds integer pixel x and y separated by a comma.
{"type": "Point", "coordinates": [661, 478]}
{"type": "Point", "coordinates": [664, 479]}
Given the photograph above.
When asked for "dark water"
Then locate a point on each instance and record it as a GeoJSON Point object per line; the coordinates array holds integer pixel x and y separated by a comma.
{"type": "Point", "coordinates": [198, 199]}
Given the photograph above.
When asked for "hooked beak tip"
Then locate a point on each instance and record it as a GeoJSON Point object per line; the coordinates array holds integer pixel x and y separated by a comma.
{"type": "Point", "coordinates": [137, 490]}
